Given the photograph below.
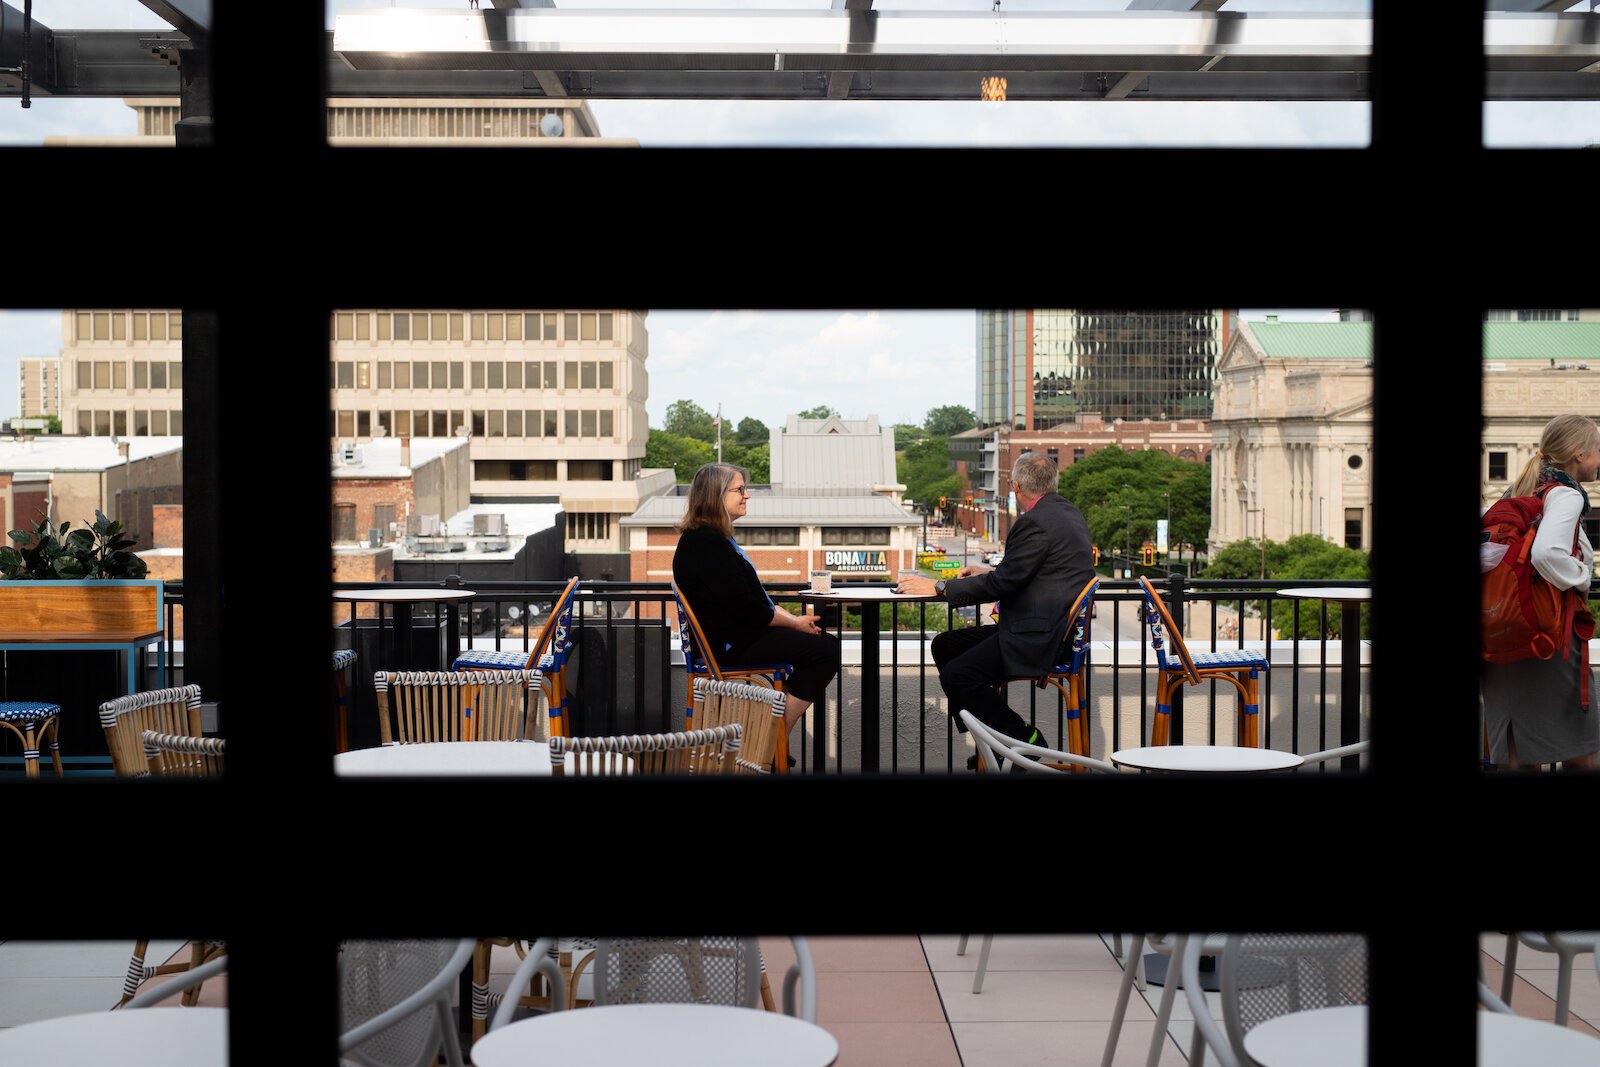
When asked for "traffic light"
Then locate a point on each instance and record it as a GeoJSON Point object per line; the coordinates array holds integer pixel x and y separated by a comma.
{"type": "Point", "coordinates": [942, 504]}
{"type": "Point", "coordinates": [1096, 554]}
{"type": "Point", "coordinates": [1149, 555]}
{"type": "Point", "coordinates": [969, 501]}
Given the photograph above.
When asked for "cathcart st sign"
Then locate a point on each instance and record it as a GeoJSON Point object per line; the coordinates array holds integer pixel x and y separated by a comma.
{"type": "Point", "coordinates": [856, 561]}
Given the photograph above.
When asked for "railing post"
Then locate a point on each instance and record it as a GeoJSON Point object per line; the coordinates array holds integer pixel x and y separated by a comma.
{"type": "Point", "coordinates": [1175, 604]}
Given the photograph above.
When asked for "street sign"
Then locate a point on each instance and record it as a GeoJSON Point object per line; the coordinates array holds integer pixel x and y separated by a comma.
{"type": "Point", "coordinates": [946, 564]}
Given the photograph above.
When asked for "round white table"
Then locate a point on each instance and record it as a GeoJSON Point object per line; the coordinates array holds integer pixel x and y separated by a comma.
{"type": "Point", "coordinates": [1212, 758]}
{"type": "Point", "coordinates": [446, 759]}
{"type": "Point", "coordinates": [1326, 1037]}
{"type": "Point", "coordinates": [143, 1037]}
{"type": "Point", "coordinates": [662, 1035]}
{"type": "Point", "coordinates": [406, 650]}
{"type": "Point", "coordinates": [1514, 1041]}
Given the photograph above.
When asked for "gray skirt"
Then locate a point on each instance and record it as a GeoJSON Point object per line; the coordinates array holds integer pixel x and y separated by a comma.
{"type": "Point", "coordinates": [1538, 703]}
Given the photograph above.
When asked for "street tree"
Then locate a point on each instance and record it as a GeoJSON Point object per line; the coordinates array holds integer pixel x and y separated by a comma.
{"type": "Point", "coordinates": [949, 419]}
{"type": "Point", "coordinates": [684, 455]}
{"type": "Point", "coordinates": [1304, 558]}
{"type": "Point", "coordinates": [752, 432]}
{"type": "Point", "coordinates": [688, 419]}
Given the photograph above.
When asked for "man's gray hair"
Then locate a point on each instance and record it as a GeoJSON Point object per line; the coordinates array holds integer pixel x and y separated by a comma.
{"type": "Point", "coordinates": [1034, 473]}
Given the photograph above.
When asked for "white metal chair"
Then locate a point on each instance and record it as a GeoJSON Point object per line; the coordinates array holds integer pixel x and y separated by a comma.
{"type": "Point", "coordinates": [666, 970]}
{"type": "Point", "coordinates": [395, 1001]}
{"type": "Point", "coordinates": [1165, 944]}
{"type": "Point", "coordinates": [194, 977]}
{"type": "Point", "coordinates": [1263, 976]}
{"type": "Point", "coordinates": [995, 750]}
{"type": "Point", "coordinates": [1566, 946]}
{"type": "Point", "coordinates": [1337, 753]}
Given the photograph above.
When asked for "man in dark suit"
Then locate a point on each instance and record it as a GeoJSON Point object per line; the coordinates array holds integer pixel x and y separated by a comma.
{"type": "Point", "coordinates": [1048, 561]}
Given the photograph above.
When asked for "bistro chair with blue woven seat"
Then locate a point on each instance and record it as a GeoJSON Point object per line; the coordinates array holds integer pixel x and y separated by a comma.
{"type": "Point", "coordinates": [1240, 667]}
{"type": "Point", "coordinates": [548, 655]}
{"type": "Point", "coordinates": [166, 711]}
{"type": "Point", "coordinates": [700, 662]}
{"type": "Point", "coordinates": [1068, 676]}
{"type": "Point", "coordinates": [31, 720]}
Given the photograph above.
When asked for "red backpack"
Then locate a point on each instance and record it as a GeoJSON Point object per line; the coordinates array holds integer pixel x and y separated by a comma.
{"type": "Point", "coordinates": [1524, 616]}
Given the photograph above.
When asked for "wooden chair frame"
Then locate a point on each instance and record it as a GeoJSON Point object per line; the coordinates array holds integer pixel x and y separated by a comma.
{"type": "Point", "coordinates": [757, 709]}
{"type": "Point", "coordinates": [556, 641]}
{"type": "Point", "coordinates": [713, 751]}
{"type": "Point", "coordinates": [199, 952]}
{"type": "Point", "coordinates": [1243, 677]}
{"type": "Point", "coordinates": [699, 661]}
{"type": "Point", "coordinates": [166, 711]}
{"type": "Point", "coordinates": [181, 756]}
{"type": "Point", "coordinates": [455, 705]}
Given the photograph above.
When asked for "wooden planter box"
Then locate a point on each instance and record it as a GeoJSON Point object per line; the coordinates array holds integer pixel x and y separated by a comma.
{"type": "Point", "coordinates": [92, 621]}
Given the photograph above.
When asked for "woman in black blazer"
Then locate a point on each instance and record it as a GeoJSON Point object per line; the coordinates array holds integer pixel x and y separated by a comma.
{"type": "Point", "coordinates": [741, 623]}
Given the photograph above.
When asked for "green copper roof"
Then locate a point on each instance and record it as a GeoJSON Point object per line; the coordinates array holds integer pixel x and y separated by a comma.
{"type": "Point", "coordinates": [1541, 340]}
{"type": "Point", "coordinates": [1314, 340]}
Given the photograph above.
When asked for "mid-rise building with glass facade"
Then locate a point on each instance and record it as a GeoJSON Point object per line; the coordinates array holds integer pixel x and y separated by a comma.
{"type": "Point", "coordinates": [1041, 368]}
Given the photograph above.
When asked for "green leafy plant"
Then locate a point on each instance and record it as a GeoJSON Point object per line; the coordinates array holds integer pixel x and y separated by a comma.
{"type": "Point", "coordinates": [97, 551]}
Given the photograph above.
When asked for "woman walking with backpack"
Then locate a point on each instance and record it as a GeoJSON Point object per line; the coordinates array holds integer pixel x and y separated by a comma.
{"type": "Point", "coordinates": [1540, 711]}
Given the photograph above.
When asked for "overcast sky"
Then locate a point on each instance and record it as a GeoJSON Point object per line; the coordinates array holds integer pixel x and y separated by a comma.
{"type": "Point", "coordinates": [859, 122]}
{"type": "Point", "coordinates": [897, 365]}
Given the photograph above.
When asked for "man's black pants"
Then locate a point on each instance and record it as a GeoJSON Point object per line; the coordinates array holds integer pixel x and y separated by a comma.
{"type": "Point", "coordinates": [970, 667]}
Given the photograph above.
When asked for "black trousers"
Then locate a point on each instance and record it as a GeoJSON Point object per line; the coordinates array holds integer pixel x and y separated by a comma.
{"type": "Point", "coordinates": [815, 658]}
{"type": "Point", "coordinates": [970, 667]}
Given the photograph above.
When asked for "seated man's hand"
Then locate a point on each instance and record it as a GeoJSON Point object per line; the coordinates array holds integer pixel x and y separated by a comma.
{"type": "Point", "coordinates": [915, 585]}
{"type": "Point", "coordinates": [973, 568]}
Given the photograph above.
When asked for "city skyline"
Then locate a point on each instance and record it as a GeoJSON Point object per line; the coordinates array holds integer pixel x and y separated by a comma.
{"type": "Point", "coordinates": [853, 361]}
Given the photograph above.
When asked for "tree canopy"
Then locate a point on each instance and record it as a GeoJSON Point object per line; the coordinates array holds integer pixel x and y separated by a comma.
{"type": "Point", "coordinates": [949, 419]}
{"type": "Point", "coordinates": [752, 432]}
{"type": "Point", "coordinates": [924, 469]}
{"type": "Point", "coordinates": [821, 411]}
{"type": "Point", "coordinates": [1304, 558]}
{"type": "Point", "coordinates": [1121, 517]}
{"type": "Point", "coordinates": [685, 418]}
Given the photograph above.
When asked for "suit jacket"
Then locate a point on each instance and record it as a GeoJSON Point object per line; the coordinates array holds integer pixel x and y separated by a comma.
{"type": "Point", "coordinates": [722, 588]}
{"type": "Point", "coordinates": [1048, 561]}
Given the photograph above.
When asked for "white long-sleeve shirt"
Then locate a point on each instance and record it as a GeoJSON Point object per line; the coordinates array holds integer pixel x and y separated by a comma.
{"type": "Point", "coordinates": [1552, 546]}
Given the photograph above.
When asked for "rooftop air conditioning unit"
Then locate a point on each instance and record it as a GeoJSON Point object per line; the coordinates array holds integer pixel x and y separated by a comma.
{"type": "Point", "coordinates": [431, 526]}
{"type": "Point", "coordinates": [413, 525]}
{"type": "Point", "coordinates": [490, 523]}
{"type": "Point", "coordinates": [350, 456]}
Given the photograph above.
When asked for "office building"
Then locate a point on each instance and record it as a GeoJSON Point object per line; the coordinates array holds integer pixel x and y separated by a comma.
{"type": "Point", "coordinates": [1040, 368]}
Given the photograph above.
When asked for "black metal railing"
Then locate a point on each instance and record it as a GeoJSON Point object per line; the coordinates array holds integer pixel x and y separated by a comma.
{"type": "Point", "coordinates": [626, 673]}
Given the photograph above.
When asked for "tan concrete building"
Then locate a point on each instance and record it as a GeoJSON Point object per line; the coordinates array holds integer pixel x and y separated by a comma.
{"type": "Point", "coordinates": [122, 372]}
{"type": "Point", "coordinates": [1533, 371]}
{"type": "Point", "coordinates": [1291, 433]}
{"type": "Point", "coordinates": [551, 403]}
{"type": "Point", "coordinates": [39, 386]}
{"type": "Point", "coordinates": [834, 457]}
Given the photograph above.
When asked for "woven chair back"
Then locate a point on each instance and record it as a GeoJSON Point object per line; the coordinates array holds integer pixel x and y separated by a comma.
{"type": "Point", "coordinates": [1160, 622]}
{"type": "Point", "coordinates": [166, 711]}
{"type": "Point", "coordinates": [757, 709]}
{"type": "Point", "coordinates": [1078, 625]}
{"type": "Point", "coordinates": [376, 975]}
{"type": "Point", "coordinates": [713, 751]}
{"type": "Point", "coordinates": [556, 636]}
{"type": "Point", "coordinates": [415, 706]}
{"type": "Point", "coordinates": [1264, 976]}
{"type": "Point", "coordinates": [181, 756]}
{"type": "Point", "coordinates": [678, 970]}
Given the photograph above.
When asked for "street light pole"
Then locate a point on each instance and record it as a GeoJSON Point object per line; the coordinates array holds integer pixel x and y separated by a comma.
{"type": "Point", "coordinates": [1127, 530]}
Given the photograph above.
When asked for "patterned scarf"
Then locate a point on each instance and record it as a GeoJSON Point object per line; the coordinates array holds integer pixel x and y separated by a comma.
{"type": "Point", "coordinates": [1548, 472]}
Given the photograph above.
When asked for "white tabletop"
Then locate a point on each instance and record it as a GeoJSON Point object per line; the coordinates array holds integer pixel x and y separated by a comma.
{"type": "Point", "coordinates": [1327, 1037]}
{"type": "Point", "coordinates": [1514, 1041]}
{"type": "Point", "coordinates": [143, 1037]}
{"type": "Point", "coordinates": [863, 593]}
{"type": "Point", "coordinates": [1205, 758]}
{"type": "Point", "coordinates": [403, 596]}
{"type": "Point", "coordinates": [446, 758]}
{"type": "Point", "coordinates": [661, 1035]}
{"type": "Point", "coordinates": [1327, 594]}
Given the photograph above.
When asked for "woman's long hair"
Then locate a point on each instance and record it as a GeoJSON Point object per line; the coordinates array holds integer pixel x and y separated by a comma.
{"type": "Point", "coordinates": [1563, 438]}
{"type": "Point", "coordinates": [707, 494]}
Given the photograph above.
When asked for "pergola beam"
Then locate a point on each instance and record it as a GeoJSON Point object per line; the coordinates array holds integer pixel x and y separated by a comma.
{"type": "Point", "coordinates": [191, 18]}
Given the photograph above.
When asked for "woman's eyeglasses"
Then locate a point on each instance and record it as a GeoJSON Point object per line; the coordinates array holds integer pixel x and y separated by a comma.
{"type": "Point", "coordinates": [741, 490]}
